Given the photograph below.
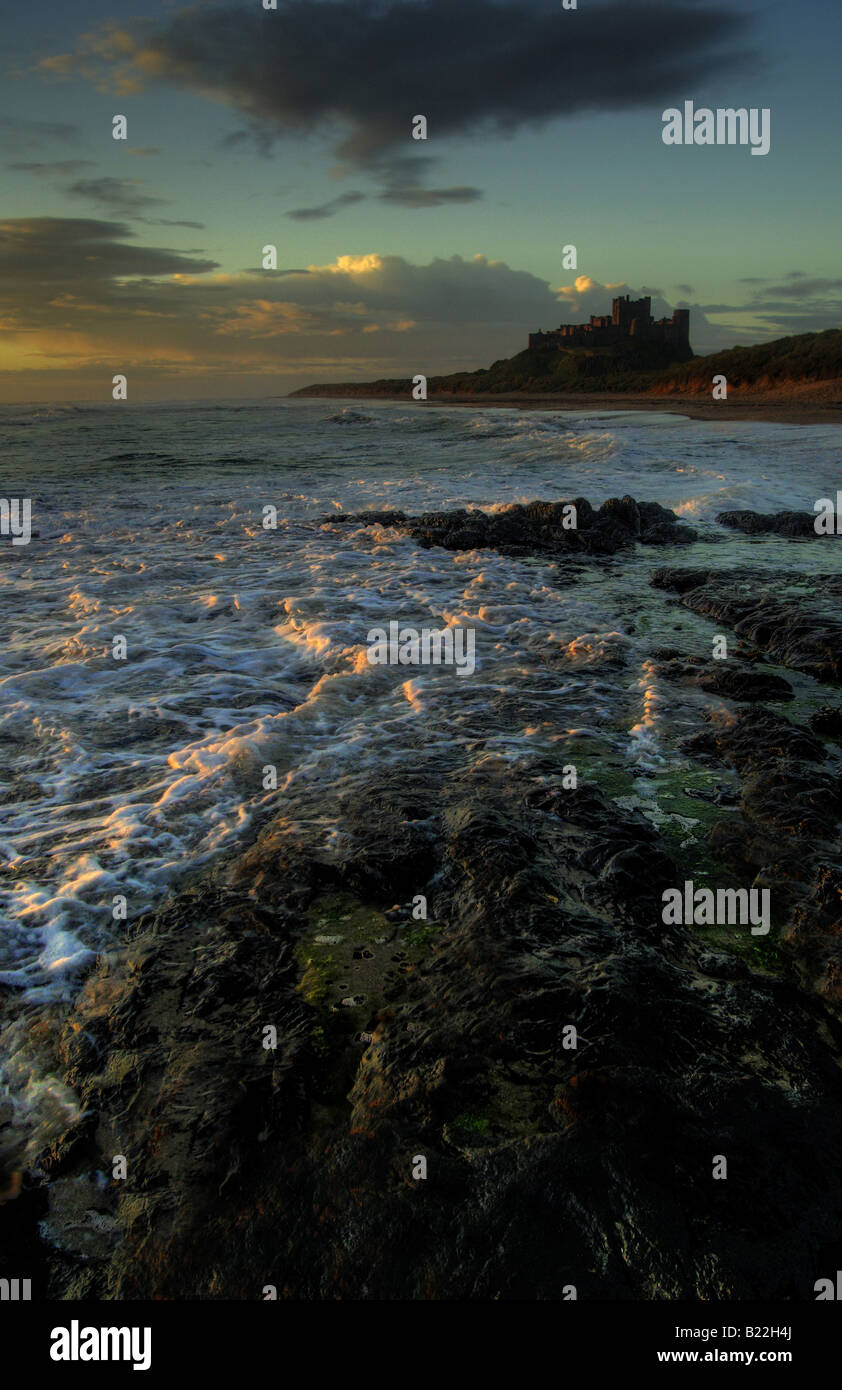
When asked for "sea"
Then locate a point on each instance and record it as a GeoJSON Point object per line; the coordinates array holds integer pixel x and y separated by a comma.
{"type": "Point", "coordinates": [190, 612]}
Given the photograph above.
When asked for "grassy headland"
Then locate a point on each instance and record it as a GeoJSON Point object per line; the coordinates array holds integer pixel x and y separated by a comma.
{"type": "Point", "coordinates": [803, 372]}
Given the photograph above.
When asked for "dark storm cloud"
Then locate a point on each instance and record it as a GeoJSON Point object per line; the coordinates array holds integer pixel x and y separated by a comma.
{"type": "Point", "coordinates": [366, 63]}
{"type": "Point", "coordinates": [39, 253]}
{"type": "Point", "coordinates": [402, 175]}
{"type": "Point", "coordinates": [366, 68]}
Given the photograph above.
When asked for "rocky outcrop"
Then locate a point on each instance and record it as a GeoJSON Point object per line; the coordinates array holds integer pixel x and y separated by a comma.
{"type": "Point", "coordinates": [791, 802]}
{"type": "Point", "coordinates": [730, 680]}
{"type": "Point", "coordinates": [827, 721]}
{"type": "Point", "coordinates": [786, 837]}
{"type": "Point", "coordinates": [799, 631]}
{"type": "Point", "coordinates": [552, 1158]}
{"type": "Point", "coordinates": [540, 528]}
{"type": "Point", "coordinates": [791, 524]}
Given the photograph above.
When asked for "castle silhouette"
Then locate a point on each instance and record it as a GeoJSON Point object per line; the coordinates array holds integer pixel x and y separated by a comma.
{"type": "Point", "coordinates": [629, 318]}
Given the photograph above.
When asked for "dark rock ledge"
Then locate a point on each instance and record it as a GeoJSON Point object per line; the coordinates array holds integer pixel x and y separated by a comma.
{"type": "Point", "coordinates": [787, 835]}
{"type": "Point", "coordinates": [546, 1166]}
{"type": "Point", "coordinates": [794, 525]}
{"type": "Point", "coordinates": [799, 631]}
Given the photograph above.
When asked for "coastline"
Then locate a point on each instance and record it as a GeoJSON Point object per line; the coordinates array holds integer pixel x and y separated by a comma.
{"type": "Point", "coordinates": [772, 408]}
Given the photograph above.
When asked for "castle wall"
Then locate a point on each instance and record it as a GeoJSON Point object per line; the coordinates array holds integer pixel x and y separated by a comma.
{"type": "Point", "coordinates": [628, 319]}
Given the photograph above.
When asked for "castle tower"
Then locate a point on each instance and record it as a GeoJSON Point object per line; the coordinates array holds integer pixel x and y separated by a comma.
{"type": "Point", "coordinates": [629, 318]}
{"type": "Point", "coordinates": [681, 319]}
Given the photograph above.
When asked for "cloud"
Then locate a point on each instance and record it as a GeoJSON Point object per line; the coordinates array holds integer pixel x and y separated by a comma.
{"type": "Point", "coordinates": [38, 254]}
{"type": "Point", "coordinates": [801, 304]}
{"type": "Point", "coordinates": [365, 68]}
{"type": "Point", "coordinates": [414, 196]}
{"type": "Point", "coordinates": [60, 167]}
{"type": "Point", "coordinates": [804, 289]}
{"type": "Point", "coordinates": [328, 209]}
{"type": "Point", "coordinates": [21, 133]}
{"type": "Point", "coordinates": [351, 265]}
{"type": "Point", "coordinates": [80, 295]}
{"type": "Point", "coordinates": [686, 289]}
{"type": "Point", "coordinates": [82, 299]}
{"type": "Point", "coordinates": [126, 198]}
{"type": "Point", "coordinates": [170, 222]}
{"type": "Point", "coordinates": [122, 196]}
{"type": "Point", "coordinates": [781, 324]}
{"type": "Point", "coordinates": [143, 152]}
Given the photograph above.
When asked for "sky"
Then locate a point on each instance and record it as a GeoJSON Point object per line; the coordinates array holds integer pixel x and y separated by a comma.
{"type": "Point", "coordinates": [292, 128]}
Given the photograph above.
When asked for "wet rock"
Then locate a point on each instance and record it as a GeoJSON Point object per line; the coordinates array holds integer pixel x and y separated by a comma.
{"type": "Point", "coordinates": [717, 796]}
{"type": "Point", "coordinates": [797, 631]}
{"type": "Point", "coordinates": [793, 524]}
{"type": "Point", "coordinates": [293, 1165]}
{"type": "Point", "coordinates": [681, 581]}
{"type": "Point", "coordinates": [815, 935]}
{"type": "Point", "coordinates": [827, 721]}
{"type": "Point", "coordinates": [787, 834]}
{"type": "Point", "coordinates": [541, 528]}
{"type": "Point", "coordinates": [721, 966]}
{"type": "Point", "coordinates": [727, 679]}
{"type": "Point", "coordinates": [81, 1219]}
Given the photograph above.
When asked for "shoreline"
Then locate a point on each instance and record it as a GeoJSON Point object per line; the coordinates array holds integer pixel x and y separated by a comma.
{"type": "Point", "coordinates": [757, 408]}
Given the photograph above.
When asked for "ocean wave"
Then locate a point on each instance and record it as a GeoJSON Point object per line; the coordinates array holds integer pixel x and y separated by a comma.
{"type": "Point", "coordinates": [351, 417]}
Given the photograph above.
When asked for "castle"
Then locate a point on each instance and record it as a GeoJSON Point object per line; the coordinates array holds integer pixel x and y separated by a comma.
{"type": "Point", "coordinates": [629, 318]}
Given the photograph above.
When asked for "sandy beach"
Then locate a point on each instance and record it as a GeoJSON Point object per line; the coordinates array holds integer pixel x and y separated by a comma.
{"type": "Point", "coordinates": [809, 403]}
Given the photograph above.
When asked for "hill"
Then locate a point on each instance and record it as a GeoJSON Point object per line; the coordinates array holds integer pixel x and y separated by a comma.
{"type": "Point", "coordinates": [626, 367]}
